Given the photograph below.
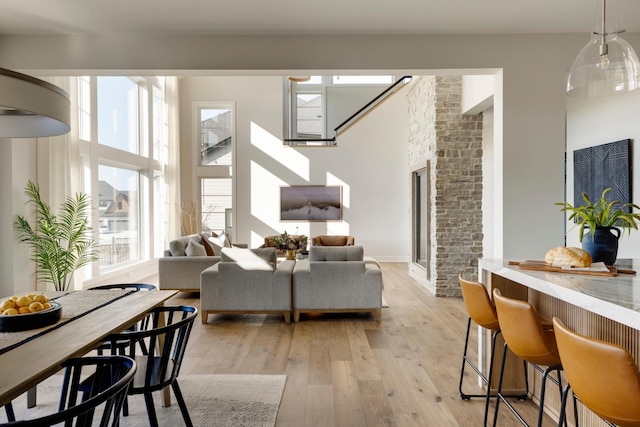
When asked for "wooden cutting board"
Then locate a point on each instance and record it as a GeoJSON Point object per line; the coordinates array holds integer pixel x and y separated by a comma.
{"type": "Point", "coordinates": [542, 266]}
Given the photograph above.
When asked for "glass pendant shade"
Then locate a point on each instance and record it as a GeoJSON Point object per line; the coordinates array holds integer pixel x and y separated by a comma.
{"type": "Point", "coordinates": [607, 65]}
{"type": "Point", "coordinates": [593, 74]}
{"type": "Point", "coordinates": [31, 108]}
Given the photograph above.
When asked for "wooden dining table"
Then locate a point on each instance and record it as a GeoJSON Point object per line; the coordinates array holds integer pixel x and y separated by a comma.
{"type": "Point", "coordinates": [28, 363]}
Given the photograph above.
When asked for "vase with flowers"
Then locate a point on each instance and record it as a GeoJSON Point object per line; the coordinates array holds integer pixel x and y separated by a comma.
{"type": "Point", "coordinates": [291, 244]}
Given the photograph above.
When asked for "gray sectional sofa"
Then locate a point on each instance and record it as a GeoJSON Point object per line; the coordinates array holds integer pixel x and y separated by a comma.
{"type": "Point", "coordinates": [333, 279]}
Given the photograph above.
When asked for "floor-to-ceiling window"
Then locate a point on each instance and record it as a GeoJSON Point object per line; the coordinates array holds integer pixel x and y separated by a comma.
{"type": "Point", "coordinates": [123, 132]}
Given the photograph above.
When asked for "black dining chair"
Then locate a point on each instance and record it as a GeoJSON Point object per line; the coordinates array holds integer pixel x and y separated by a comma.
{"type": "Point", "coordinates": [99, 402]}
{"type": "Point", "coordinates": [124, 286]}
{"type": "Point", "coordinates": [166, 336]}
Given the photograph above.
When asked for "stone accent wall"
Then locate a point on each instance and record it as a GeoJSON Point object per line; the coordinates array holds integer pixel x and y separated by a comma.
{"type": "Point", "coordinates": [453, 145]}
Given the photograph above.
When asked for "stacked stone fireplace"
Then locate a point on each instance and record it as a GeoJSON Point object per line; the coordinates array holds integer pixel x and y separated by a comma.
{"type": "Point", "coordinates": [449, 144]}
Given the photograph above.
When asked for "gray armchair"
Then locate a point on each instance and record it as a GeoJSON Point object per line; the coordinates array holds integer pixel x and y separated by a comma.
{"type": "Point", "coordinates": [336, 279]}
{"type": "Point", "coordinates": [247, 281]}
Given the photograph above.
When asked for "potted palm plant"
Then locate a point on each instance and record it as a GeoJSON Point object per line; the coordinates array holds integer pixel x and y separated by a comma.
{"type": "Point", "coordinates": [61, 243]}
{"type": "Point", "coordinates": [603, 219]}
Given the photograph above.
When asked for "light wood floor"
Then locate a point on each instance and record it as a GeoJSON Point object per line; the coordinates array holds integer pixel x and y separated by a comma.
{"type": "Point", "coordinates": [348, 369]}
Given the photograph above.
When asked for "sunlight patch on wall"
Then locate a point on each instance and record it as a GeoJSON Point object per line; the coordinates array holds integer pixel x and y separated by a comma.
{"type": "Point", "coordinates": [342, 227]}
{"type": "Point", "coordinates": [265, 204]}
{"type": "Point", "coordinates": [285, 155]}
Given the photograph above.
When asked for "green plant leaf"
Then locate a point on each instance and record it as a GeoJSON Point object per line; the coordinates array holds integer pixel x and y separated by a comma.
{"type": "Point", "coordinates": [60, 243]}
{"type": "Point", "coordinates": [602, 213]}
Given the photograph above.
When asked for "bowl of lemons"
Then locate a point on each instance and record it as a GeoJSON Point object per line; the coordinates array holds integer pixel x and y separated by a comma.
{"type": "Point", "coordinates": [30, 311]}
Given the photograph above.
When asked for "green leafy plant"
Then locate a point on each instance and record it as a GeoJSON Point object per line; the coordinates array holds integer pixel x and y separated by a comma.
{"type": "Point", "coordinates": [61, 243]}
{"type": "Point", "coordinates": [602, 213]}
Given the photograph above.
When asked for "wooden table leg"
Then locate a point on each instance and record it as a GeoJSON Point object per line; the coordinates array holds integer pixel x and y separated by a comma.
{"type": "Point", "coordinates": [166, 392]}
{"type": "Point", "coordinates": [31, 397]}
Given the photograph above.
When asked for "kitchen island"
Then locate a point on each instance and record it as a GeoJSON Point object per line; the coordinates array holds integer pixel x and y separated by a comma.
{"type": "Point", "coordinates": [603, 307]}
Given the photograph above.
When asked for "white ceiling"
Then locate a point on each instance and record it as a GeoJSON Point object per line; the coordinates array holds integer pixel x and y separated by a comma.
{"type": "Point", "coordinates": [288, 17]}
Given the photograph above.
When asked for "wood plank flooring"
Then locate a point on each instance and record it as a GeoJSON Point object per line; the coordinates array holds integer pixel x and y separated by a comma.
{"type": "Point", "coordinates": [349, 370]}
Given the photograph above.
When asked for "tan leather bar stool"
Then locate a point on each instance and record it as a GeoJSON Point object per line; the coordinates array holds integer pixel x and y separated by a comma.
{"type": "Point", "coordinates": [483, 313]}
{"type": "Point", "coordinates": [602, 375]}
{"type": "Point", "coordinates": [525, 337]}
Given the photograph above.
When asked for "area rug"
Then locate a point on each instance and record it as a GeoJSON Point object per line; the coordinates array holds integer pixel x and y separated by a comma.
{"type": "Point", "coordinates": [213, 400]}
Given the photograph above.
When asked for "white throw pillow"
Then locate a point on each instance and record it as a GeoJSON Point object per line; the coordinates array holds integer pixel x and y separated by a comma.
{"type": "Point", "coordinates": [195, 248]}
{"type": "Point", "coordinates": [222, 241]}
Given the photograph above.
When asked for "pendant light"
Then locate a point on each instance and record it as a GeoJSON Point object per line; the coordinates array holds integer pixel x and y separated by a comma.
{"type": "Point", "coordinates": [605, 66]}
{"type": "Point", "coordinates": [31, 108]}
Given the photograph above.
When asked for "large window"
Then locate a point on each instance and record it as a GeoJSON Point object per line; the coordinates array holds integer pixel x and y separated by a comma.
{"type": "Point", "coordinates": [215, 130]}
{"type": "Point", "coordinates": [124, 146]}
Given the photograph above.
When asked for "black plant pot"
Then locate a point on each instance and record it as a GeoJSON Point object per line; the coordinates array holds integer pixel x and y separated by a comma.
{"type": "Point", "coordinates": [603, 247]}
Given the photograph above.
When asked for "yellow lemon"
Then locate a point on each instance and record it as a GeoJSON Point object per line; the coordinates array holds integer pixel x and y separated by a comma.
{"type": "Point", "coordinates": [9, 312]}
{"type": "Point", "coordinates": [40, 298]}
{"type": "Point", "coordinates": [46, 306]}
{"type": "Point", "coordinates": [8, 303]}
{"type": "Point", "coordinates": [35, 306]}
{"type": "Point", "coordinates": [23, 301]}
{"type": "Point", "coordinates": [24, 310]}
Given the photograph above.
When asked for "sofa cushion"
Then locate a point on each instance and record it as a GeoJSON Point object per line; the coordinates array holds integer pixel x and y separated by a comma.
{"type": "Point", "coordinates": [178, 246]}
{"type": "Point", "coordinates": [336, 253]}
{"type": "Point", "coordinates": [195, 248]}
{"type": "Point", "coordinates": [249, 255]}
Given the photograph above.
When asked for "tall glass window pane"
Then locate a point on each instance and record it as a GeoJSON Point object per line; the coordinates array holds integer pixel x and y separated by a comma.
{"type": "Point", "coordinates": [216, 136]}
{"type": "Point", "coordinates": [309, 115]}
{"type": "Point", "coordinates": [84, 108]}
{"type": "Point", "coordinates": [118, 115]}
{"type": "Point", "coordinates": [119, 206]}
{"type": "Point", "coordinates": [160, 127]}
{"type": "Point", "coordinates": [216, 204]}
{"type": "Point", "coordinates": [421, 218]}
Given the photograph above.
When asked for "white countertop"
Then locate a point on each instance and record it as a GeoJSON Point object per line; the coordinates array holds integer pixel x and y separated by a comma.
{"type": "Point", "coordinates": [616, 298]}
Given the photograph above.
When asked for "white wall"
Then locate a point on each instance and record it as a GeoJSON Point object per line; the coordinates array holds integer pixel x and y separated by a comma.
{"type": "Point", "coordinates": [596, 121]}
{"type": "Point", "coordinates": [370, 163]}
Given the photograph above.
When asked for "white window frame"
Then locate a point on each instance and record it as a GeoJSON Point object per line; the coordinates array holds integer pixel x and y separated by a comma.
{"type": "Point", "coordinates": [94, 154]}
{"type": "Point", "coordinates": [292, 89]}
{"type": "Point", "coordinates": [213, 171]}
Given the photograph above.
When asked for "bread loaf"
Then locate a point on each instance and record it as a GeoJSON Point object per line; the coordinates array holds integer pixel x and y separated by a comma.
{"type": "Point", "coordinates": [568, 257]}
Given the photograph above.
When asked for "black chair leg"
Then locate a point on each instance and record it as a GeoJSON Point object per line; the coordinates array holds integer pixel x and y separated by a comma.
{"type": "Point", "coordinates": [502, 397]}
{"type": "Point", "coordinates": [11, 416]}
{"type": "Point", "coordinates": [463, 395]}
{"type": "Point", "coordinates": [181, 403]}
{"type": "Point", "coordinates": [151, 409]}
